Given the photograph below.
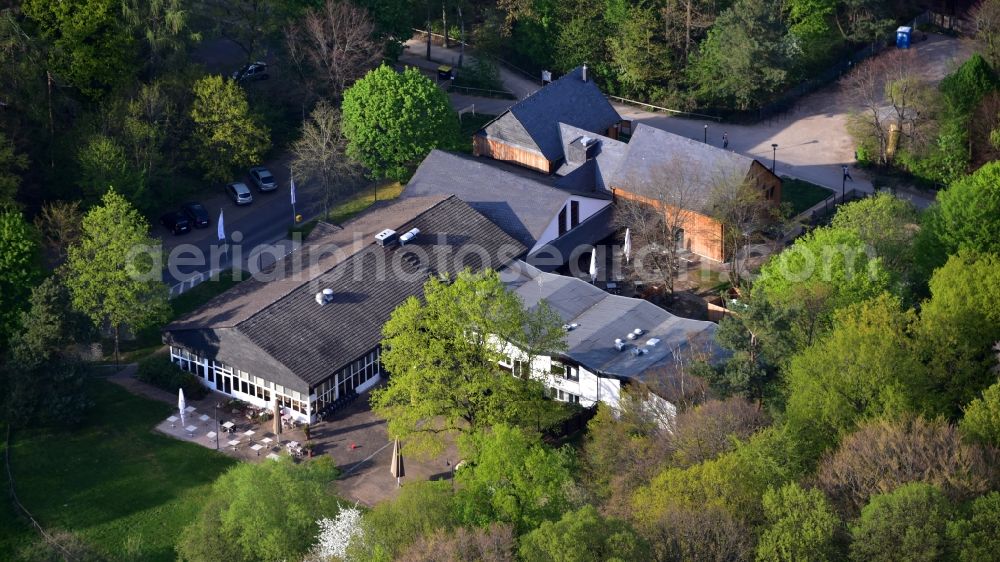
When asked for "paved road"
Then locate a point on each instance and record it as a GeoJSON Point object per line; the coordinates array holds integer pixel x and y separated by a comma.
{"type": "Point", "coordinates": [262, 222]}
{"type": "Point", "coordinates": [812, 139]}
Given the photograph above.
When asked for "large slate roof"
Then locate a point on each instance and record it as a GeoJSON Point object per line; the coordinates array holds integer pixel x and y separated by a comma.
{"type": "Point", "coordinates": [603, 317]}
{"type": "Point", "coordinates": [533, 123]}
{"type": "Point", "coordinates": [653, 154]}
{"type": "Point", "coordinates": [521, 202]}
{"type": "Point", "coordinates": [278, 327]}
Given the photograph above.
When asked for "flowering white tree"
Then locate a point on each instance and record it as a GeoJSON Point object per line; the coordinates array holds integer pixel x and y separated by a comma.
{"type": "Point", "coordinates": [336, 534]}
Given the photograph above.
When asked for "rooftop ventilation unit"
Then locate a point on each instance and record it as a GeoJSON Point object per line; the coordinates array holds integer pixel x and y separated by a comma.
{"type": "Point", "coordinates": [637, 351]}
{"type": "Point", "coordinates": [619, 344]}
{"type": "Point", "coordinates": [320, 300]}
{"type": "Point", "coordinates": [570, 327]}
{"type": "Point", "coordinates": [652, 342]}
{"type": "Point", "coordinates": [638, 332]}
{"type": "Point", "coordinates": [328, 295]}
{"type": "Point", "coordinates": [406, 238]}
{"type": "Point", "coordinates": [386, 237]}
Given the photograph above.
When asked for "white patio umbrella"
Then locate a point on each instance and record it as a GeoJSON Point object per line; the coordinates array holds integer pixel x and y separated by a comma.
{"type": "Point", "coordinates": [277, 420]}
{"type": "Point", "coordinates": [593, 265]}
{"type": "Point", "coordinates": [181, 404]}
{"type": "Point", "coordinates": [628, 244]}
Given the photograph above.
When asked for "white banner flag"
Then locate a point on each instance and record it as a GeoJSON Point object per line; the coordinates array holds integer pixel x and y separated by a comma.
{"type": "Point", "coordinates": [292, 181]}
{"type": "Point", "coordinates": [222, 227]}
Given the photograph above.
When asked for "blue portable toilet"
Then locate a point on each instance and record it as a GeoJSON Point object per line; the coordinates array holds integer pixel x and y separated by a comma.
{"type": "Point", "coordinates": [903, 37]}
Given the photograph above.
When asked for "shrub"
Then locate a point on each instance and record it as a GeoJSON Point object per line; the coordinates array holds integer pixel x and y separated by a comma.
{"type": "Point", "coordinates": [158, 371]}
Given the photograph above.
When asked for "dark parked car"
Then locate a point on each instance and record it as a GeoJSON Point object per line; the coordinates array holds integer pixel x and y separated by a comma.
{"type": "Point", "coordinates": [196, 212]}
{"type": "Point", "coordinates": [253, 71]}
{"type": "Point", "coordinates": [263, 179]}
{"type": "Point", "coordinates": [176, 222]}
{"type": "Point", "coordinates": [240, 193]}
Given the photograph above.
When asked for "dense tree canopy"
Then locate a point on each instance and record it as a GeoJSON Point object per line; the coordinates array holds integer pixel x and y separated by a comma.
{"type": "Point", "coordinates": [802, 526]}
{"type": "Point", "coordinates": [969, 216]}
{"type": "Point", "coordinates": [908, 524]}
{"type": "Point", "coordinates": [393, 119]}
{"type": "Point", "coordinates": [19, 269]}
{"type": "Point", "coordinates": [226, 135]}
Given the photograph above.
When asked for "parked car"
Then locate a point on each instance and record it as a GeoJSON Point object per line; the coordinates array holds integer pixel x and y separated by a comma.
{"type": "Point", "coordinates": [262, 177]}
{"type": "Point", "coordinates": [253, 71]}
{"type": "Point", "coordinates": [240, 193]}
{"type": "Point", "coordinates": [176, 222]}
{"type": "Point", "coordinates": [196, 213]}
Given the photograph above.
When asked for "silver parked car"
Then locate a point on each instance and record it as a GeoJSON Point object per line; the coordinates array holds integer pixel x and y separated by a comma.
{"type": "Point", "coordinates": [263, 179]}
{"type": "Point", "coordinates": [240, 193]}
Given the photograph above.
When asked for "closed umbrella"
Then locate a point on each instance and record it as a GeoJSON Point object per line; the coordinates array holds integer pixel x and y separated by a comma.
{"type": "Point", "coordinates": [396, 468]}
{"type": "Point", "coordinates": [628, 244]}
{"type": "Point", "coordinates": [181, 404]}
{"type": "Point", "coordinates": [593, 265]}
{"type": "Point", "coordinates": [277, 421]}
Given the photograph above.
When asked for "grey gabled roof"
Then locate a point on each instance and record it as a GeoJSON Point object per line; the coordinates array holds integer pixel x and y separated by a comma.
{"type": "Point", "coordinates": [652, 151]}
{"type": "Point", "coordinates": [602, 317]}
{"type": "Point", "coordinates": [521, 202]}
{"type": "Point", "coordinates": [554, 254]}
{"type": "Point", "coordinates": [279, 327]}
{"type": "Point", "coordinates": [533, 123]}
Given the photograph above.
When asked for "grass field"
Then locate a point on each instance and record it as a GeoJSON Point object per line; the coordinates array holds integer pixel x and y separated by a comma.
{"type": "Point", "coordinates": [801, 194]}
{"type": "Point", "coordinates": [112, 480]}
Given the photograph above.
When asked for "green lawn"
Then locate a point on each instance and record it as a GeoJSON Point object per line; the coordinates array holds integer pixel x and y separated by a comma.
{"type": "Point", "coordinates": [801, 195]}
{"type": "Point", "coordinates": [112, 480]}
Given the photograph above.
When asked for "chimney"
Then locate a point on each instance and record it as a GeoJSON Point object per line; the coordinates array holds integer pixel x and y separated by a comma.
{"type": "Point", "coordinates": [584, 72]}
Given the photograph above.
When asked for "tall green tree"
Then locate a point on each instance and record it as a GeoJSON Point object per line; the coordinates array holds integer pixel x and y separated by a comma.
{"type": "Point", "coordinates": [113, 273]}
{"type": "Point", "coordinates": [827, 269]}
{"type": "Point", "coordinates": [226, 135]}
{"type": "Point", "coordinates": [981, 421]}
{"type": "Point", "coordinates": [92, 48]}
{"type": "Point", "coordinates": [443, 354]}
{"type": "Point", "coordinates": [908, 524]}
{"type": "Point", "coordinates": [513, 478]}
{"type": "Point", "coordinates": [20, 261]}
{"type": "Point", "coordinates": [959, 326]}
{"type": "Point", "coordinates": [885, 222]}
{"type": "Point", "coordinates": [975, 537]}
{"type": "Point", "coordinates": [392, 120]}
{"type": "Point", "coordinates": [969, 213]}
{"type": "Point", "coordinates": [802, 526]}
{"type": "Point", "coordinates": [10, 164]}
{"type": "Point", "coordinates": [866, 366]}
{"type": "Point", "coordinates": [103, 164]}
{"type": "Point", "coordinates": [264, 511]}
{"type": "Point", "coordinates": [583, 536]}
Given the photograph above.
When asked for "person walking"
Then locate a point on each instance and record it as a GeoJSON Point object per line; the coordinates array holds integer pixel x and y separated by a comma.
{"type": "Point", "coordinates": [725, 140]}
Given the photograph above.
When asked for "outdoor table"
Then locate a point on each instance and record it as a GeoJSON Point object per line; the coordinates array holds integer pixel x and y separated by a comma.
{"type": "Point", "coordinates": [256, 448]}
{"type": "Point", "coordinates": [228, 425]}
{"type": "Point", "coordinates": [211, 435]}
{"type": "Point", "coordinates": [273, 456]}
{"type": "Point", "coordinates": [249, 432]}
{"type": "Point", "coordinates": [203, 417]}
{"type": "Point", "coordinates": [189, 409]}
{"type": "Point", "coordinates": [191, 429]}
{"type": "Point", "coordinates": [172, 420]}
{"type": "Point", "coordinates": [234, 443]}
{"type": "Point", "coordinates": [267, 440]}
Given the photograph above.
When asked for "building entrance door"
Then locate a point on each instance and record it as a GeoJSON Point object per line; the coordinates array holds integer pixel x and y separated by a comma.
{"type": "Point", "coordinates": [227, 384]}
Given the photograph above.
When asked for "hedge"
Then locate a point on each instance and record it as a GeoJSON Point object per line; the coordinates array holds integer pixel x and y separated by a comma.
{"type": "Point", "coordinates": [158, 371]}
